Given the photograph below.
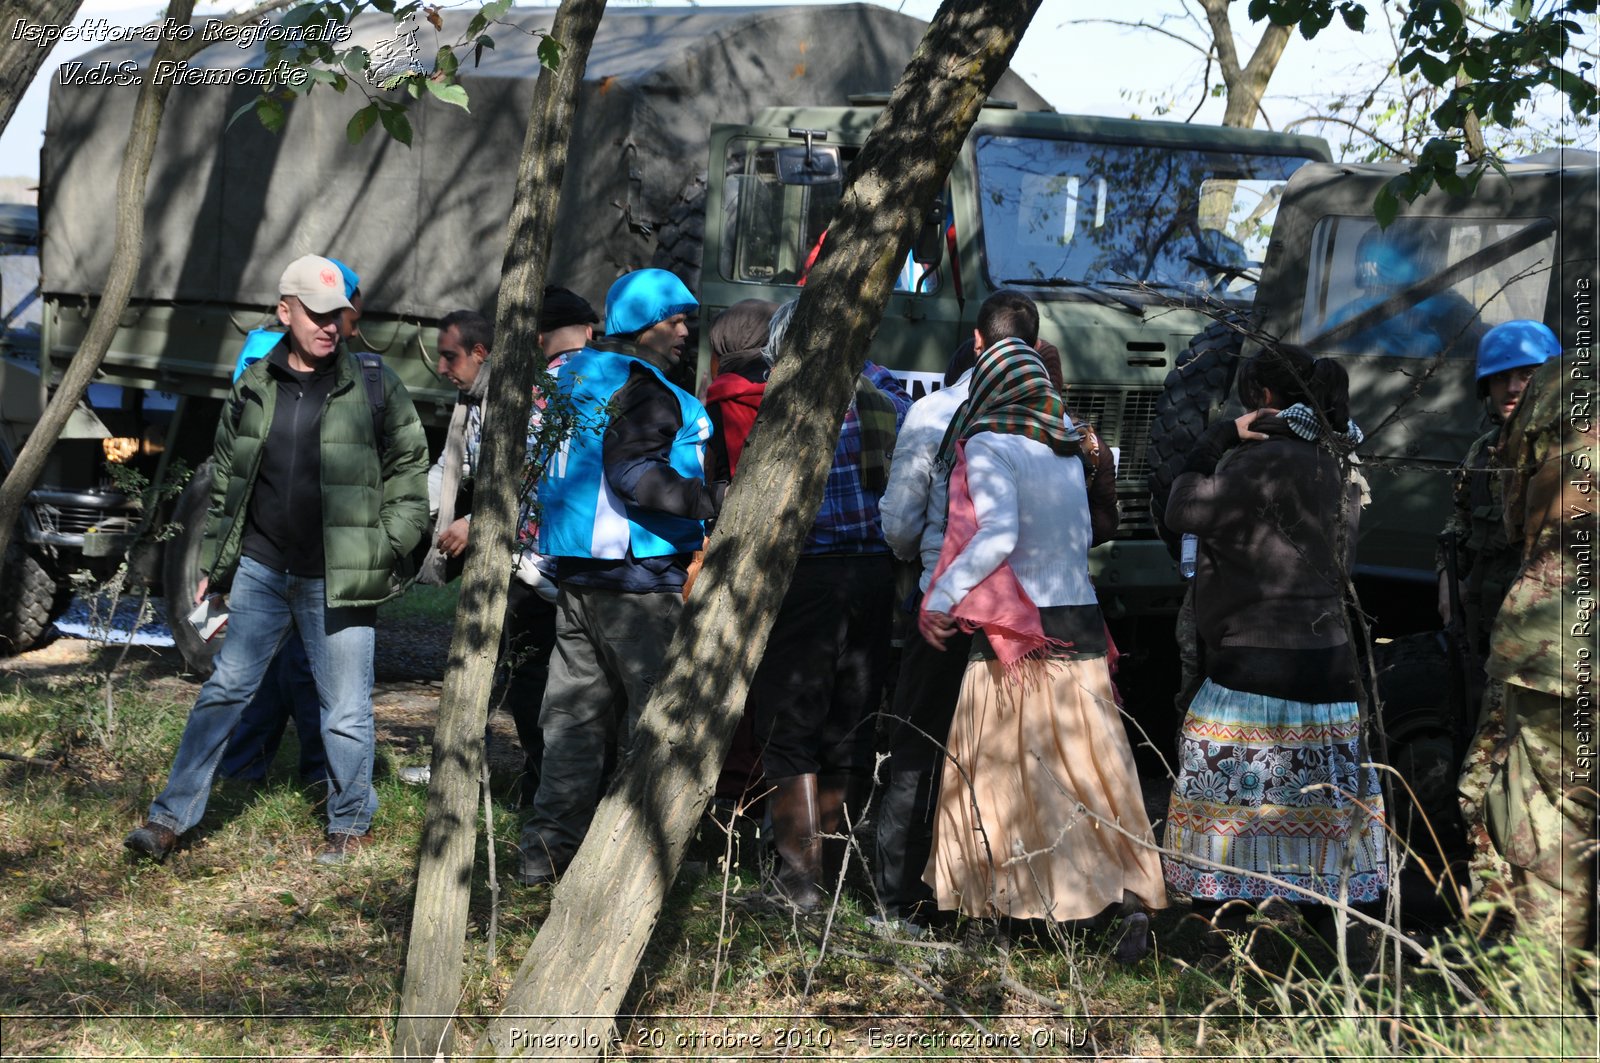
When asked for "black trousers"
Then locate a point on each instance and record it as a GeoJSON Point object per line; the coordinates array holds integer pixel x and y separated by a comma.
{"type": "Point", "coordinates": [924, 704]}
{"type": "Point", "coordinates": [813, 698]}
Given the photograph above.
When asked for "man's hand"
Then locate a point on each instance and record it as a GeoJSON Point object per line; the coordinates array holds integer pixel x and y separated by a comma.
{"type": "Point", "coordinates": [453, 540]}
{"type": "Point", "coordinates": [936, 628]}
{"type": "Point", "coordinates": [200, 591]}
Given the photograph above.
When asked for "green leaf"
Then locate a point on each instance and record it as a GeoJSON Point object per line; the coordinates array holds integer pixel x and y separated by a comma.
{"type": "Point", "coordinates": [250, 105]}
{"type": "Point", "coordinates": [550, 53]}
{"type": "Point", "coordinates": [360, 122]}
{"type": "Point", "coordinates": [446, 62]}
{"type": "Point", "coordinates": [1386, 206]}
{"type": "Point", "coordinates": [495, 10]}
{"type": "Point", "coordinates": [451, 94]}
{"type": "Point", "coordinates": [1354, 15]}
{"type": "Point", "coordinates": [396, 124]}
{"type": "Point", "coordinates": [477, 25]}
{"type": "Point", "coordinates": [355, 61]}
{"type": "Point", "coordinates": [271, 113]}
{"type": "Point", "coordinates": [1437, 71]}
{"type": "Point", "coordinates": [288, 900]}
{"type": "Point", "coordinates": [386, 6]}
{"type": "Point", "coordinates": [413, 89]}
{"type": "Point", "coordinates": [324, 77]}
{"type": "Point", "coordinates": [300, 15]}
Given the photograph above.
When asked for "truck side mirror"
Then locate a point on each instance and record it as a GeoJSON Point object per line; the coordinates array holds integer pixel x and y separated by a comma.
{"type": "Point", "coordinates": [810, 165]}
{"type": "Point", "coordinates": [928, 247]}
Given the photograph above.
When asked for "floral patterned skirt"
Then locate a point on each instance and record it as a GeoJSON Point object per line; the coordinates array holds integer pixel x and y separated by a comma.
{"type": "Point", "coordinates": [1276, 787]}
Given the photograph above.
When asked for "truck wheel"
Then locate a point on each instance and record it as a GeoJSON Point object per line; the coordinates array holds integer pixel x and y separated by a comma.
{"type": "Point", "coordinates": [1422, 731]}
{"type": "Point", "coordinates": [1196, 390]}
{"type": "Point", "coordinates": [681, 237]}
{"type": "Point", "coordinates": [28, 599]}
{"type": "Point", "coordinates": [180, 571]}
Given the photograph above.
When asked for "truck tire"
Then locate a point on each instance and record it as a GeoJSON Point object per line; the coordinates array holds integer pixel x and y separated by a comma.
{"type": "Point", "coordinates": [1423, 736]}
{"type": "Point", "coordinates": [681, 237]}
{"type": "Point", "coordinates": [180, 572]}
{"type": "Point", "coordinates": [31, 599]}
{"type": "Point", "coordinates": [1195, 391]}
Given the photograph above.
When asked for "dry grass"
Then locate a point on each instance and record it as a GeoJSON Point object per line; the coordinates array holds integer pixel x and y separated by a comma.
{"type": "Point", "coordinates": [240, 946]}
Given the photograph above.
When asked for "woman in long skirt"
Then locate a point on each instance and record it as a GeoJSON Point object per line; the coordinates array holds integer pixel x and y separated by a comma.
{"type": "Point", "coordinates": [1039, 813]}
{"type": "Point", "coordinates": [1271, 799]}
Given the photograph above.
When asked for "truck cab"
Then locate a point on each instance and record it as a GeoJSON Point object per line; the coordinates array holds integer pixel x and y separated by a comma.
{"type": "Point", "coordinates": [1131, 236]}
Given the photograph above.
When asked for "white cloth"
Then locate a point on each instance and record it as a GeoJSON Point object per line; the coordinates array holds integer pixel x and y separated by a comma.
{"type": "Point", "coordinates": [1032, 510]}
{"type": "Point", "coordinates": [911, 526]}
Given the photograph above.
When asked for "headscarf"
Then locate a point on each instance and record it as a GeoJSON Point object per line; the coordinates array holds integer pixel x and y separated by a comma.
{"type": "Point", "coordinates": [739, 333]}
{"type": "Point", "coordinates": [1011, 393]}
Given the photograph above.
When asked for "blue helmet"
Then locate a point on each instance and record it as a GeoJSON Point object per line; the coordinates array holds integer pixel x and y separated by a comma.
{"type": "Point", "coordinates": [351, 280]}
{"type": "Point", "coordinates": [643, 298]}
{"type": "Point", "coordinates": [1513, 345]}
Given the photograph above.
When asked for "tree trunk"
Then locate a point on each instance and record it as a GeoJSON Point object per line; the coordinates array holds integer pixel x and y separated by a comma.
{"type": "Point", "coordinates": [449, 836]}
{"type": "Point", "coordinates": [21, 59]}
{"type": "Point", "coordinates": [606, 905]}
{"type": "Point", "coordinates": [125, 255]}
{"type": "Point", "coordinates": [1246, 83]}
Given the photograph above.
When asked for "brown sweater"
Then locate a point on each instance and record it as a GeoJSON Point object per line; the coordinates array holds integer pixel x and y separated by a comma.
{"type": "Point", "coordinates": [1269, 586]}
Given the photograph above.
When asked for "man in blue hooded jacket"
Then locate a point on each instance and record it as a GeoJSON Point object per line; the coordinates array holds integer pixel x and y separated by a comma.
{"type": "Point", "coordinates": [623, 505]}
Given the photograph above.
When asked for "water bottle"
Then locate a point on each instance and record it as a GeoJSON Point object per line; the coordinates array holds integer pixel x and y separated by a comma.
{"type": "Point", "coordinates": [1186, 556]}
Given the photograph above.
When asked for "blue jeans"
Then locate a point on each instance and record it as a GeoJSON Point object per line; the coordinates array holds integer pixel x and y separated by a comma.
{"type": "Point", "coordinates": [263, 607]}
{"type": "Point", "coordinates": [288, 690]}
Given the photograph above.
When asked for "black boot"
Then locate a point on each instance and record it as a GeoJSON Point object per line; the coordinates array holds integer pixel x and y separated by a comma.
{"type": "Point", "coordinates": [795, 834]}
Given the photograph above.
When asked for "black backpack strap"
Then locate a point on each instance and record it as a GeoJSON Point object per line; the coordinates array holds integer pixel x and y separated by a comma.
{"type": "Point", "coordinates": [372, 379]}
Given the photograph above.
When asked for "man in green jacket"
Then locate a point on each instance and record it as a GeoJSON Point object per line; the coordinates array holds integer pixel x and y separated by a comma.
{"type": "Point", "coordinates": [314, 502]}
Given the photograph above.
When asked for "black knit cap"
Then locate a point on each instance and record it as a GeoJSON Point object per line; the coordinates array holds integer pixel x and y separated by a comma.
{"type": "Point", "coordinates": [563, 307]}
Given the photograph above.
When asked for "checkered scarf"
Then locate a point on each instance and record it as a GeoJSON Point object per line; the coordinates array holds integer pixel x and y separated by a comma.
{"type": "Point", "coordinates": [1011, 393]}
{"type": "Point", "coordinates": [1306, 423]}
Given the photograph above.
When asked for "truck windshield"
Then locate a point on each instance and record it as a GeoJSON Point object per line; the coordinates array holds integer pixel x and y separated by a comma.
{"type": "Point", "coordinates": [1061, 213]}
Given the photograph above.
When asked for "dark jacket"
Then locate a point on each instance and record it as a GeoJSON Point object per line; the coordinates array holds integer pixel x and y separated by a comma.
{"type": "Point", "coordinates": [1277, 523]}
{"type": "Point", "coordinates": [374, 505]}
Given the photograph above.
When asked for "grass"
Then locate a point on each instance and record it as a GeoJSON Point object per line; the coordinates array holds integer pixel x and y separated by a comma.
{"type": "Point", "coordinates": [241, 946]}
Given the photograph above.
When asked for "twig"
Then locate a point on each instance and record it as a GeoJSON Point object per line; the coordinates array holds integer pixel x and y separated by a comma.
{"type": "Point", "coordinates": [32, 762]}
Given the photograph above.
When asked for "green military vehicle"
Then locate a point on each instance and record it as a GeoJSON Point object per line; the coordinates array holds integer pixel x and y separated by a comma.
{"type": "Point", "coordinates": [1128, 234]}
{"type": "Point", "coordinates": [230, 204]}
{"type": "Point", "coordinates": [1402, 309]}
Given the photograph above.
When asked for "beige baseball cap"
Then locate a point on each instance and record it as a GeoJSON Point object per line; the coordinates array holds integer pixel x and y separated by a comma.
{"type": "Point", "coordinates": [317, 282]}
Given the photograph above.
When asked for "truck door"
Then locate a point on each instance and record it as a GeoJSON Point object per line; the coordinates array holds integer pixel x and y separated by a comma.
{"type": "Point", "coordinates": [772, 195]}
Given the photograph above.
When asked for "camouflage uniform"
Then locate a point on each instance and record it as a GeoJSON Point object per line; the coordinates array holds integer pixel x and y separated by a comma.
{"type": "Point", "coordinates": [1540, 803]}
{"type": "Point", "coordinates": [1486, 563]}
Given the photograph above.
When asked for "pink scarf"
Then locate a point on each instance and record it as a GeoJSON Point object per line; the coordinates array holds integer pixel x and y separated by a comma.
{"type": "Point", "coordinates": [998, 604]}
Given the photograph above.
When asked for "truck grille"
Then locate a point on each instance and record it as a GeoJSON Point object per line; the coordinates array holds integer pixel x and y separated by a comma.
{"type": "Point", "coordinates": [1123, 416]}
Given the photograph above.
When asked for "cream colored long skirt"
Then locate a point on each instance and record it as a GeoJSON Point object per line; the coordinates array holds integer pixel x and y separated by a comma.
{"type": "Point", "coordinates": [1031, 766]}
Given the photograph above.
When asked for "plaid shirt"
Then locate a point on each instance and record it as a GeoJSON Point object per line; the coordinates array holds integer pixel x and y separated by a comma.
{"type": "Point", "coordinates": [848, 522]}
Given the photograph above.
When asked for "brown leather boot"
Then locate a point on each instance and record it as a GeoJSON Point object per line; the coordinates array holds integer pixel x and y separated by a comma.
{"type": "Point", "coordinates": [834, 794]}
{"type": "Point", "coordinates": [794, 834]}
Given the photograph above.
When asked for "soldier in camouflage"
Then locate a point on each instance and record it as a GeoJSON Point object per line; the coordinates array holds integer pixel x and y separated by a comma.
{"type": "Point", "coordinates": [1540, 802]}
{"type": "Point", "coordinates": [1478, 562]}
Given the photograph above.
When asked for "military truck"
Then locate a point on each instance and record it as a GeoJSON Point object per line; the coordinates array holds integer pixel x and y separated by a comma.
{"type": "Point", "coordinates": [1126, 233]}
{"type": "Point", "coordinates": [230, 204]}
{"type": "Point", "coordinates": [1402, 309]}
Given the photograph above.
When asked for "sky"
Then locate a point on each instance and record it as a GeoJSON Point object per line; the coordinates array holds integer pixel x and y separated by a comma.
{"type": "Point", "coordinates": [1080, 65]}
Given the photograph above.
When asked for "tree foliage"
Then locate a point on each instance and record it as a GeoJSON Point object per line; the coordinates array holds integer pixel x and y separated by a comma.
{"type": "Point", "coordinates": [1489, 66]}
{"type": "Point", "coordinates": [389, 79]}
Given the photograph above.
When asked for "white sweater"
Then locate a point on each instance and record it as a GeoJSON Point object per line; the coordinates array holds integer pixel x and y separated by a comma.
{"type": "Point", "coordinates": [912, 524]}
{"type": "Point", "coordinates": [1033, 511]}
